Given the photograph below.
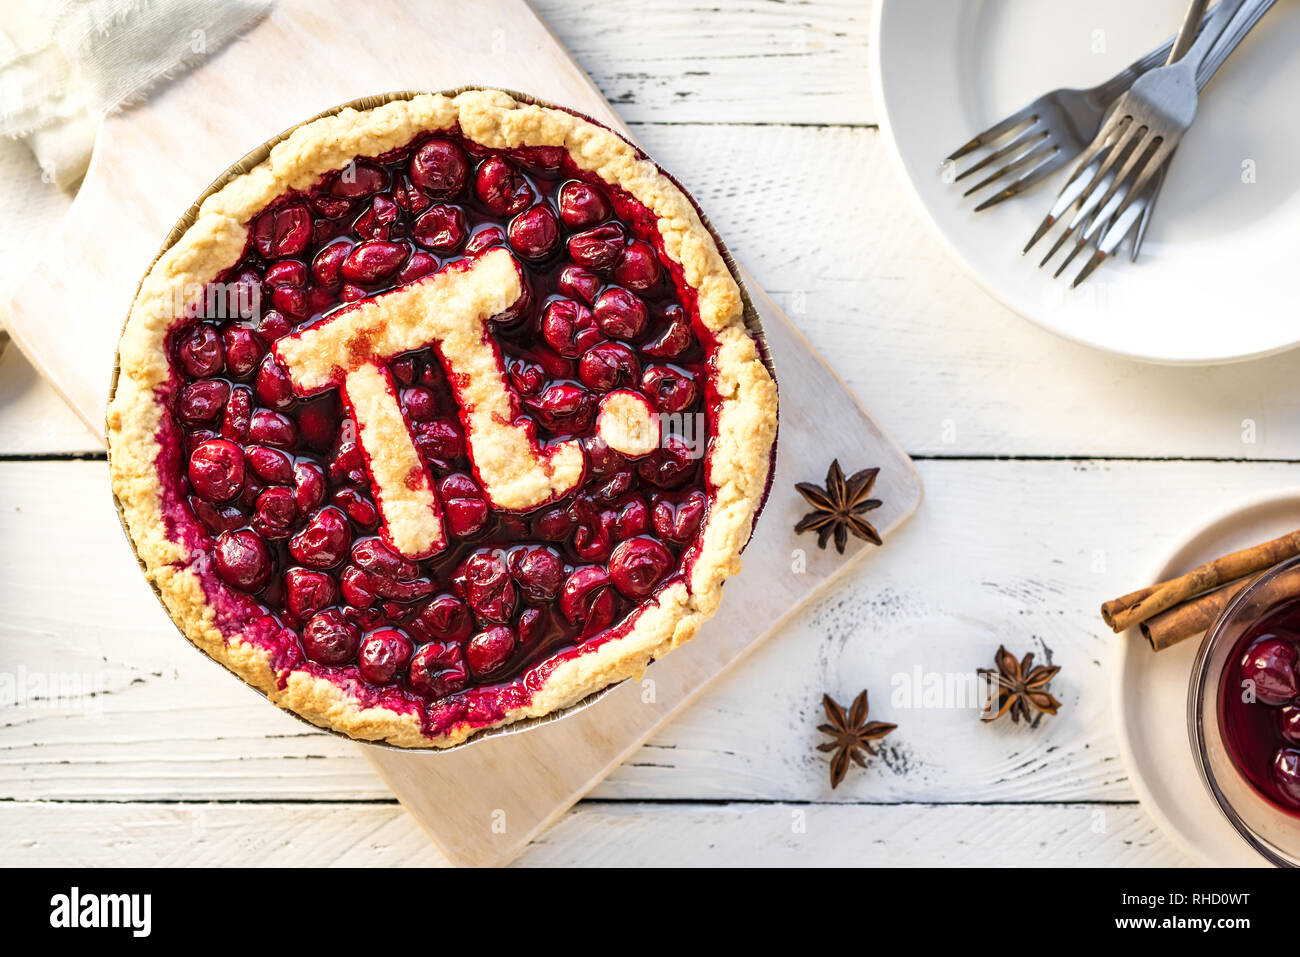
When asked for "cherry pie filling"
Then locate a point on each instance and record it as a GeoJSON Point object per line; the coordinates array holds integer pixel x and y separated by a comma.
{"type": "Point", "coordinates": [274, 490]}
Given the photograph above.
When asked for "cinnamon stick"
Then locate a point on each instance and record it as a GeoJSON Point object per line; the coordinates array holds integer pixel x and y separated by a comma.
{"type": "Point", "coordinates": [1190, 618]}
{"type": "Point", "coordinates": [1209, 576]}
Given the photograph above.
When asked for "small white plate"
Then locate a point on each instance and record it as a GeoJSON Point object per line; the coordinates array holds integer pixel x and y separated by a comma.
{"type": "Point", "coordinates": [1216, 279]}
{"type": "Point", "coordinates": [1149, 697]}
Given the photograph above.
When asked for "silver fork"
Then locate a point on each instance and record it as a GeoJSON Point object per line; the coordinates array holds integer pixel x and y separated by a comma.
{"type": "Point", "coordinates": [1136, 219]}
{"type": "Point", "coordinates": [1089, 220]}
{"type": "Point", "coordinates": [1052, 129]}
{"type": "Point", "coordinates": [1141, 132]}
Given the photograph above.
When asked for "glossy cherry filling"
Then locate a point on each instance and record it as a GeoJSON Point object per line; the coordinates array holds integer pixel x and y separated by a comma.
{"type": "Point", "coordinates": [275, 492]}
{"type": "Point", "coordinates": [1259, 706]}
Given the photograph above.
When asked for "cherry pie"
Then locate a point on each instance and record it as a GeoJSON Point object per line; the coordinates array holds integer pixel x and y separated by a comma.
{"type": "Point", "coordinates": [441, 417]}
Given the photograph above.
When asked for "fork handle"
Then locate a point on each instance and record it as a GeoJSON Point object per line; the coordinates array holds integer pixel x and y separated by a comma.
{"type": "Point", "coordinates": [1230, 38]}
{"type": "Point", "coordinates": [1222, 16]}
{"type": "Point", "coordinates": [1187, 32]}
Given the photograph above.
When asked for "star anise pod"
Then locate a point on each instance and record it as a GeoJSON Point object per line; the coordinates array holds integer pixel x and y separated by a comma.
{"type": "Point", "coordinates": [838, 508]}
{"type": "Point", "coordinates": [852, 733]}
{"type": "Point", "coordinates": [1021, 686]}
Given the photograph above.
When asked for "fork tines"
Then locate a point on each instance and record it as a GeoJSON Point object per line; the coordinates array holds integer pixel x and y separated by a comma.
{"type": "Point", "coordinates": [1029, 152]}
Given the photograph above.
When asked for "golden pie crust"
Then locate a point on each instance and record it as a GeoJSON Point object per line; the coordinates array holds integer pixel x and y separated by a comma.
{"type": "Point", "coordinates": [744, 430]}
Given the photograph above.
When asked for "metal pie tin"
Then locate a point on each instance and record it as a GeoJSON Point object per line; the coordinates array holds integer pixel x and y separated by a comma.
{"type": "Point", "coordinates": [257, 156]}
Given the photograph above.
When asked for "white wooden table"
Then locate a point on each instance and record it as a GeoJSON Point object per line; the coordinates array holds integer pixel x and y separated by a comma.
{"type": "Point", "coordinates": [1055, 479]}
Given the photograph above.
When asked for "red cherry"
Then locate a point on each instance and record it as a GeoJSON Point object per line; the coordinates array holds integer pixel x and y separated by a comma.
{"type": "Point", "coordinates": [238, 416]}
{"type": "Point", "coordinates": [578, 283]}
{"type": "Point", "coordinates": [444, 618]}
{"type": "Point", "coordinates": [485, 238]}
{"type": "Point", "coordinates": [586, 597]}
{"type": "Point", "coordinates": [203, 401]}
{"type": "Point", "coordinates": [633, 519]}
{"type": "Point", "coordinates": [501, 188]}
{"type": "Point", "coordinates": [534, 626]}
{"type": "Point", "coordinates": [440, 168]}
{"type": "Point", "coordinates": [598, 248]}
{"type": "Point", "coordinates": [442, 228]}
{"type": "Point", "coordinates": [308, 486]}
{"type": "Point", "coordinates": [326, 267]}
{"type": "Point", "coordinates": [528, 378]}
{"type": "Point", "coordinates": [285, 231]}
{"type": "Point", "coordinates": [373, 260]}
{"type": "Point", "coordinates": [489, 590]}
{"type": "Point", "coordinates": [489, 650]}
{"type": "Point", "coordinates": [287, 272]}
{"type": "Point", "coordinates": [670, 390]}
{"type": "Point", "coordinates": [270, 465]}
{"type": "Point", "coordinates": [594, 536]}
{"type": "Point", "coordinates": [307, 592]}
{"type": "Point", "coordinates": [582, 204]}
{"type": "Point", "coordinates": [244, 350]}
{"type": "Point", "coordinates": [360, 509]}
{"type": "Point", "coordinates": [554, 524]}
{"type": "Point", "coordinates": [638, 565]}
{"type": "Point", "coordinates": [438, 669]}
{"type": "Point", "coordinates": [324, 541]}
{"type": "Point", "coordinates": [1288, 723]}
{"type": "Point", "coordinates": [609, 365]}
{"type": "Point", "coordinates": [569, 327]}
{"type": "Point", "coordinates": [418, 266]}
{"type": "Point", "coordinates": [242, 560]}
{"type": "Point", "coordinates": [638, 267]}
{"type": "Point", "coordinates": [216, 470]}
{"type": "Point", "coordinates": [1286, 774]}
{"type": "Point", "coordinates": [383, 654]}
{"type": "Point", "coordinates": [200, 352]}
{"type": "Point", "coordinates": [539, 572]}
{"type": "Point", "coordinates": [358, 179]}
{"type": "Point", "coordinates": [330, 638]}
{"type": "Point", "coordinates": [273, 325]}
{"type": "Point", "coordinates": [563, 408]}
{"type": "Point", "coordinates": [217, 518]}
{"type": "Point", "coordinates": [464, 505]}
{"type": "Point", "coordinates": [1270, 664]}
{"type": "Point", "coordinates": [378, 559]}
{"type": "Point", "coordinates": [535, 232]}
{"type": "Point", "coordinates": [670, 466]}
{"type": "Point", "coordinates": [439, 441]}
{"type": "Point", "coordinates": [678, 521]}
{"type": "Point", "coordinates": [275, 513]}
{"type": "Point", "coordinates": [358, 587]}
{"type": "Point", "coordinates": [673, 340]}
{"type": "Point", "coordinates": [273, 428]}
{"type": "Point", "coordinates": [273, 386]}
{"type": "Point", "coordinates": [620, 314]}
{"type": "Point", "coordinates": [420, 404]}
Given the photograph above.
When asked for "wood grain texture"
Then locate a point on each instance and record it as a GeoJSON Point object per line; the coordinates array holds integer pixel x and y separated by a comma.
{"type": "Point", "coordinates": [1025, 552]}
{"type": "Point", "coordinates": [533, 777]}
{"type": "Point", "coordinates": [593, 834]}
{"type": "Point", "coordinates": [817, 216]}
{"type": "Point", "coordinates": [943, 364]}
{"type": "Point", "coordinates": [739, 61]}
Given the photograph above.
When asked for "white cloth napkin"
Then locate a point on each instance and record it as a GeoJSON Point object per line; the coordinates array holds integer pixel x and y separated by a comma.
{"type": "Point", "coordinates": [65, 64]}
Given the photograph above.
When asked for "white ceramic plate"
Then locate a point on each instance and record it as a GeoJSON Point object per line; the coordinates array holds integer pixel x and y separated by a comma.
{"type": "Point", "coordinates": [1216, 280]}
{"type": "Point", "coordinates": [1149, 697]}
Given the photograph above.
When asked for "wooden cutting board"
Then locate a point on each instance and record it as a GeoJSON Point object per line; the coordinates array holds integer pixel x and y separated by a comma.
{"type": "Point", "coordinates": [483, 803]}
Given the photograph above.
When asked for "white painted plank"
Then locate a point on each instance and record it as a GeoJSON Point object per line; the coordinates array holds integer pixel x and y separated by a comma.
{"type": "Point", "coordinates": [735, 61]}
{"type": "Point", "coordinates": [817, 217]}
{"type": "Point", "coordinates": [593, 834]}
{"type": "Point", "coordinates": [1016, 552]}
{"type": "Point", "coordinates": [33, 419]}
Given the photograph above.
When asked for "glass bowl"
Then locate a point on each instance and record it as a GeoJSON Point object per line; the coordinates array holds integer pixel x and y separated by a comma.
{"type": "Point", "coordinates": [1262, 823]}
